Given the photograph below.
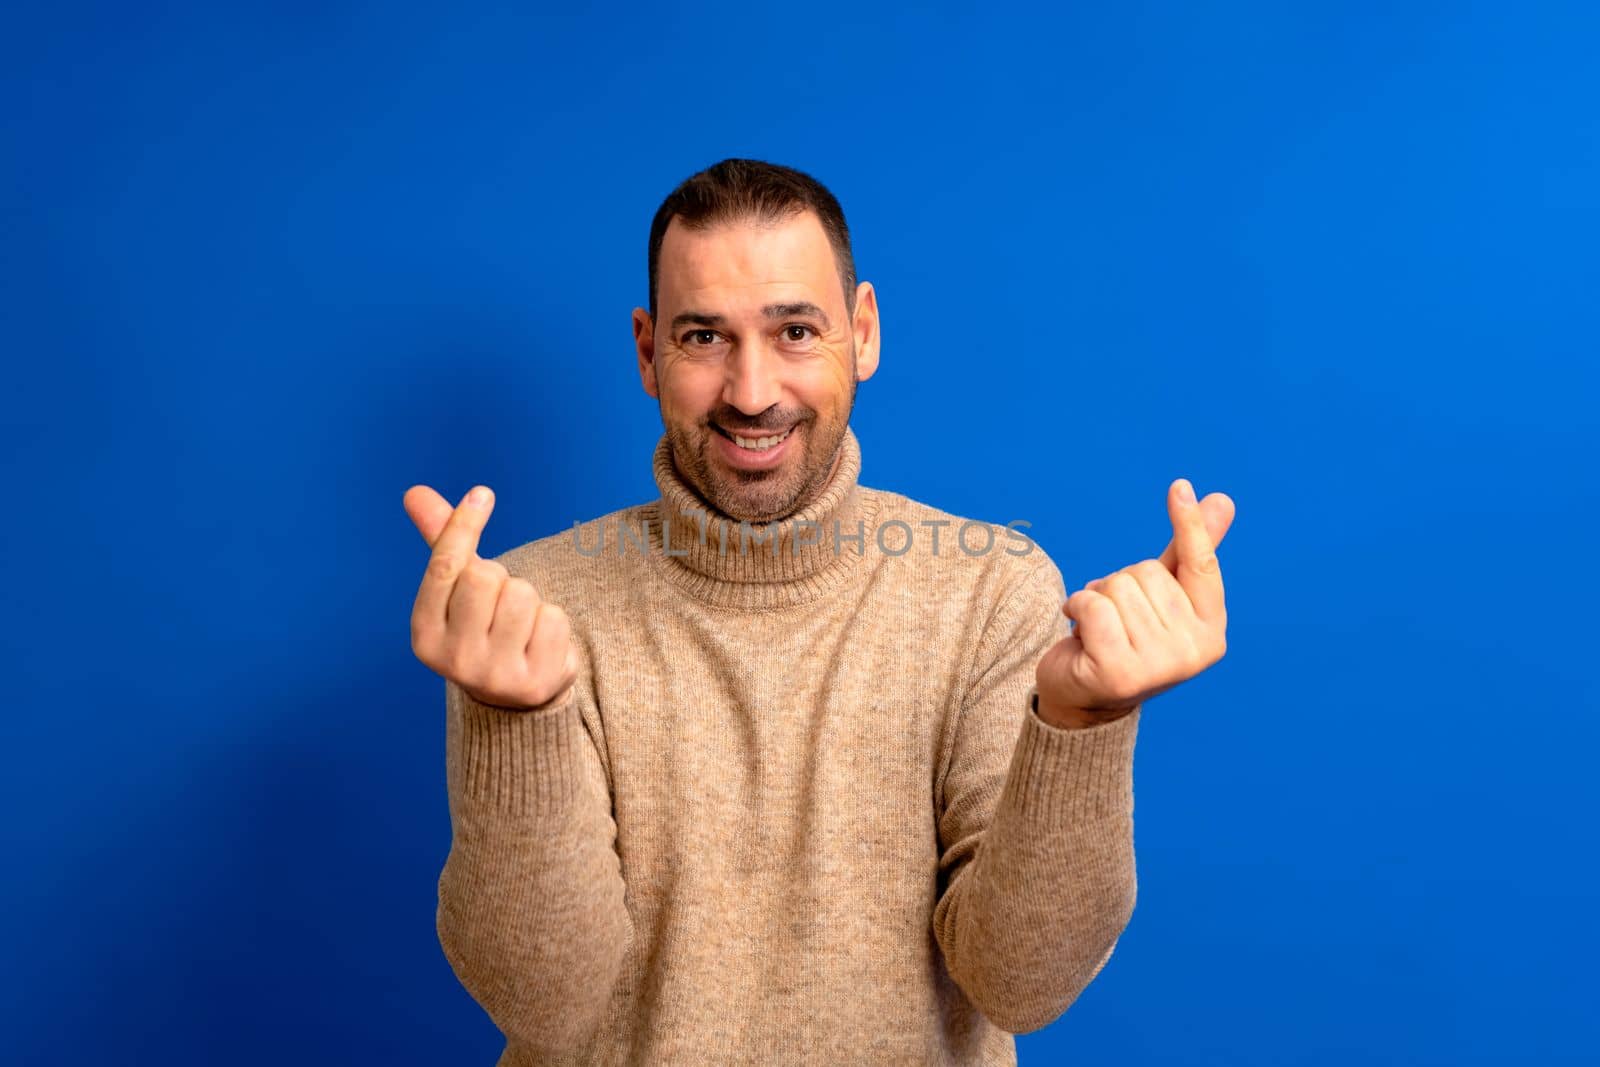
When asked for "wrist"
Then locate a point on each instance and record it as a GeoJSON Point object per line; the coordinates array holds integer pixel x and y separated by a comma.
{"type": "Point", "coordinates": [1063, 717]}
{"type": "Point", "coordinates": [554, 702]}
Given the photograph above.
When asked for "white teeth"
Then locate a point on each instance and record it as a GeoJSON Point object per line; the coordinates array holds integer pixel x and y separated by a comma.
{"type": "Point", "coordinates": [761, 444]}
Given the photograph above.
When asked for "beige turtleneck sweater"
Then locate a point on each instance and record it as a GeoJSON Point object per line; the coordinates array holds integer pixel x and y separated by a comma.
{"type": "Point", "coordinates": [798, 809]}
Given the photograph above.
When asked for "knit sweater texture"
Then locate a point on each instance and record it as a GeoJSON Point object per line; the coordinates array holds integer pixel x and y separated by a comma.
{"type": "Point", "coordinates": [799, 807]}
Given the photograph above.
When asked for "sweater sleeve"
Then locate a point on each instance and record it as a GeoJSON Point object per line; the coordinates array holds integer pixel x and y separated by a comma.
{"type": "Point", "coordinates": [1035, 827]}
{"type": "Point", "coordinates": [531, 914]}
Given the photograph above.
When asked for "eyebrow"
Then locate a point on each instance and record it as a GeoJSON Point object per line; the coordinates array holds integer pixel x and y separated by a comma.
{"type": "Point", "coordinates": [771, 311]}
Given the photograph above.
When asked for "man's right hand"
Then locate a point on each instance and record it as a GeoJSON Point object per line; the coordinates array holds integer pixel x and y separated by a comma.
{"type": "Point", "coordinates": [475, 624]}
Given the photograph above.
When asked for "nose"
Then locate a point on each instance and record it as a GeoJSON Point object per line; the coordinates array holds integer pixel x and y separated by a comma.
{"type": "Point", "coordinates": [752, 382]}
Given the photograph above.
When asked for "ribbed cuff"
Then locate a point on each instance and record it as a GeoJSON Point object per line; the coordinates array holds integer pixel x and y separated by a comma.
{"type": "Point", "coordinates": [525, 762]}
{"type": "Point", "coordinates": [1066, 773]}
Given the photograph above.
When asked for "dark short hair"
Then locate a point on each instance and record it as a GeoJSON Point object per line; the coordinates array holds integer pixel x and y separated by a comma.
{"type": "Point", "coordinates": [737, 190]}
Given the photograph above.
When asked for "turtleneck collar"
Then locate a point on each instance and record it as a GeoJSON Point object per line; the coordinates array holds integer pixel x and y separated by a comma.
{"type": "Point", "coordinates": [761, 565]}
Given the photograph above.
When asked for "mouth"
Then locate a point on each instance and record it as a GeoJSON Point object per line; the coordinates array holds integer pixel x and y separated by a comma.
{"type": "Point", "coordinates": [754, 451]}
{"type": "Point", "coordinates": [755, 443]}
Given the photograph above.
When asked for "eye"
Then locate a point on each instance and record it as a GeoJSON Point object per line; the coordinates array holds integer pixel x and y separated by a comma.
{"type": "Point", "coordinates": [797, 326]}
{"type": "Point", "coordinates": [694, 335]}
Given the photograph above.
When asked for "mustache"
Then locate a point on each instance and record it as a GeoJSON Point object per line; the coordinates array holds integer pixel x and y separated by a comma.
{"type": "Point", "coordinates": [741, 425]}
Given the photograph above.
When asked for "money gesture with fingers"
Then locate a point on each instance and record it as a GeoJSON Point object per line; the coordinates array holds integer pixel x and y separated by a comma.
{"type": "Point", "coordinates": [477, 625]}
{"type": "Point", "coordinates": [1145, 628]}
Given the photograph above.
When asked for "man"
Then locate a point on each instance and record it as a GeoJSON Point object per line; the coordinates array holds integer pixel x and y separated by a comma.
{"type": "Point", "coordinates": [754, 772]}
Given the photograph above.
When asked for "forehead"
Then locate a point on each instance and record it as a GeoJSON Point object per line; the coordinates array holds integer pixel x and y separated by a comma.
{"type": "Point", "coordinates": [747, 262]}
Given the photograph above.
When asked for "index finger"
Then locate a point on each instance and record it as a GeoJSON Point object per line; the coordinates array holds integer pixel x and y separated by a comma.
{"type": "Point", "coordinates": [455, 547]}
{"type": "Point", "coordinates": [1198, 571]}
{"type": "Point", "coordinates": [1218, 510]}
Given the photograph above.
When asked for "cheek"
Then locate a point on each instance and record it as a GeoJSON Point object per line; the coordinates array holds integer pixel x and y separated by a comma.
{"type": "Point", "coordinates": [688, 386]}
{"type": "Point", "coordinates": [825, 383]}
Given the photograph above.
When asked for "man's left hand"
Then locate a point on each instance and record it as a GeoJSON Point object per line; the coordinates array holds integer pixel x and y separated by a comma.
{"type": "Point", "coordinates": [1145, 628]}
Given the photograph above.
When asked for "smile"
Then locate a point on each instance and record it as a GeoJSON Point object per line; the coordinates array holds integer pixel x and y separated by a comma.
{"type": "Point", "coordinates": [757, 444]}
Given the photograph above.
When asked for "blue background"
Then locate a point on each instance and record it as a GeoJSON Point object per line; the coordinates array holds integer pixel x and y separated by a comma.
{"type": "Point", "coordinates": [265, 268]}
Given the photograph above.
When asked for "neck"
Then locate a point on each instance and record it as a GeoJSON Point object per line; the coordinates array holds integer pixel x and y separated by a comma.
{"type": "Point", "coordinates": [754, 564]}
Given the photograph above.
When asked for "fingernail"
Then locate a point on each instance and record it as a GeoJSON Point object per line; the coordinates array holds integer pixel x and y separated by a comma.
{"type": "Point", "coordinates": [1186, 492]}
{"type": "Point", "coordinates": [479, 497]}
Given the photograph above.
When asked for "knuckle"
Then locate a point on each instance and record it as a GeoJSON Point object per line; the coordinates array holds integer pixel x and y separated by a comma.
{"type": "Point", "coordinates": [423, 634]}
{"type": "Point", "coordinates": [511, 602]}
{"type": "Point", "coordinates": [554, 624]}
{"type": "Point", "coordinates": [1202, 650]}
{"type": "Point", "coordinates": [513, 620]}
{"type": "Point", "coordinates": [454, 667]}
{"type": "Point", "coordinates": [502, 678]}
{"type": "Point", "coordinates": [444, 567]}
{"type": "Point", "coordinates": [1123, 685]}
{"type": "Point", "coordinates": [516, 596]}
{"type": "Point", "coordinates": [1150, 569]}
{"type": "Point", "coordinates": [487, 572]}
{"type": "Point", "coordinates": [451, 659]}
{"type": "Point", "coordinates": [463, 664]}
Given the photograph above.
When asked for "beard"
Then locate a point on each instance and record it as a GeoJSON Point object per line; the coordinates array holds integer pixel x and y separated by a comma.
{"type": "Point", "coordinates": [762, 495]}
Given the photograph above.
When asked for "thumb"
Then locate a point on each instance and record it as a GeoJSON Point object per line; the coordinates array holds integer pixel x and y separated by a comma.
{"type": "Point", "coordinates": [428, 510]}
{"type": "Point", "coordinates": [1218, 511]}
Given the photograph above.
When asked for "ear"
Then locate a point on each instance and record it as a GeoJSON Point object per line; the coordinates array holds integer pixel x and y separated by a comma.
{"type": "Point", "coordinates": [644, 340]}
{"type": "Point", "coordinates": [865, 325]}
